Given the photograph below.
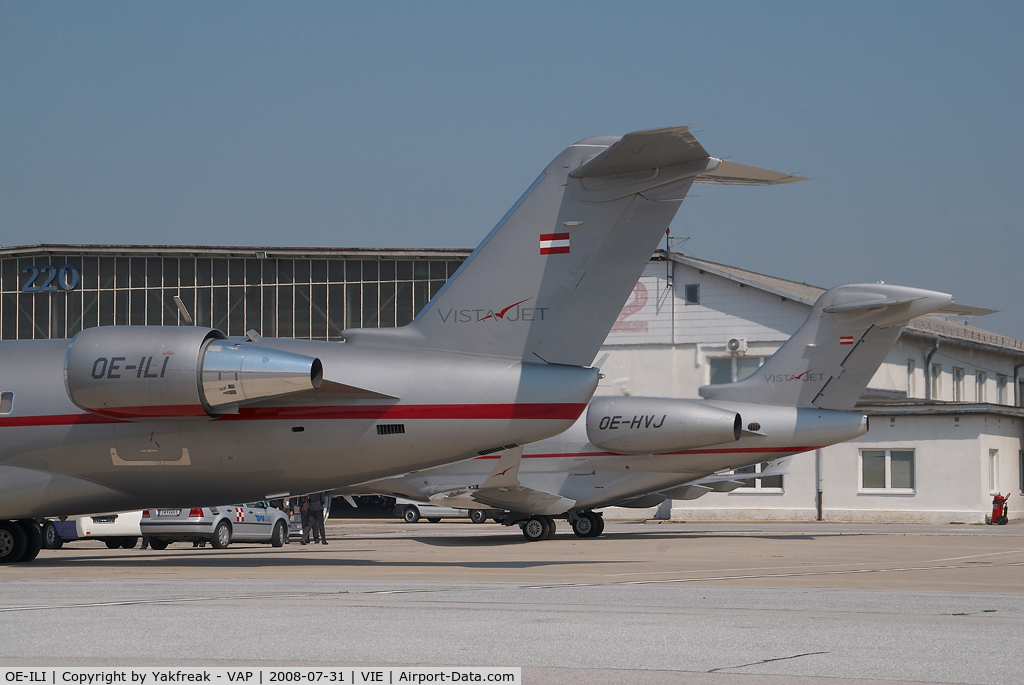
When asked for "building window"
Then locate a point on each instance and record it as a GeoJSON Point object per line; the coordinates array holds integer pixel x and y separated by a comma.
{"type": "Point", "coordinates": [979, 386]}
{"type": "Point", "coordinates": [1001, 388]}
{"type": "Point", "coordinates": [768, 484]}
{"type": "Point", "coordinates": [935, 384]}
{"type": "Point", "coordinates": [911, 367]}
{"type": "Point", "coordinates": [993, 471]}
{"type": "Point", "coordinates": [887, 471]}
{"type": "Point", "coordinates": [731, 369]}
{"type": "Point", "coordinates": [1020, 470]}
{"type": "Point", "coordinates": [958, 384]}
{"type": "Point", "coordinates": [691, 293]}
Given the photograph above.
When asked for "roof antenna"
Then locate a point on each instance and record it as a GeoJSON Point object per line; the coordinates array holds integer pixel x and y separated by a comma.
{"type": "Point", "coordinates": [183, 311]}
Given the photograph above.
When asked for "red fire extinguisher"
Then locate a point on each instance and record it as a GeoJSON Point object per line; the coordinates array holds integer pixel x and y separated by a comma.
{"type": "Point", "coordinates": [999, 510]}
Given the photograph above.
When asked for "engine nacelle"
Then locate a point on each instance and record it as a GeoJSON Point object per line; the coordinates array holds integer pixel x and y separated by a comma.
{"type": "Point", "coordinates": [644, 425]}
{"type": "Point", "coordinates": [177, 372]}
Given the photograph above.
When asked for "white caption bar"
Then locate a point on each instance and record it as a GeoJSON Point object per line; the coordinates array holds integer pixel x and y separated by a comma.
{"type": "Point", "coordinates": [261, 676]}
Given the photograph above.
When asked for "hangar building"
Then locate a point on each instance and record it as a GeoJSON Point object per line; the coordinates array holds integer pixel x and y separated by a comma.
{"type": "Point", "coordinates": [945, 407]}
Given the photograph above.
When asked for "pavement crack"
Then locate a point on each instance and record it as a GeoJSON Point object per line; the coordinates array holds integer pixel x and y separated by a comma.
{"type": "Point", "coordinates": [765, 661]}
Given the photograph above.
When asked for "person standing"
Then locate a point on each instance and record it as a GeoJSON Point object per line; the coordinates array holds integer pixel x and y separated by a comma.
{"type": "Point", "coordinates": [317, 501]}
{"type": "Point", "coordinates": [303, 503]}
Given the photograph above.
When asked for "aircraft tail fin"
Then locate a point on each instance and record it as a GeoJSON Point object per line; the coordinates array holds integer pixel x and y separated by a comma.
{"type": "Point", "coordinates": [548, 282]}
{"type": "Point", "coordinates": [828, 363]}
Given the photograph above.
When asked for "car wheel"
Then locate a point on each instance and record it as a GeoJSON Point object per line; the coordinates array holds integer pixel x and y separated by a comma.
{"type": "Point", "coordinates": [158, 544]}
{"type": "Point", "coordinates": [112, 543]}
{"type": "Point", "coordinates": [12, 542]}
{"type": "Point", "coordinates": [478, 516]}
{"type": "Point", "coordinates": [33, 540]}
{"type": "Point", "coordinates": [583, 526]}
{"type": "Point", "coordinates": [411, 514]}
{"type": "Point", "coordinates": [277, 538]}
{"type": "Point", "coordinates": [51, 540]}
{"type": "Point", "coordinates": [129, 542]}
{"type": "Point", "coordinates": [536, 528]}
{"type": "Point", "coordinates": [221, 535]}
{"type": "Point", "coordinates": [499, 520]}
{"type": "Point", "coordinates": [434, 520]}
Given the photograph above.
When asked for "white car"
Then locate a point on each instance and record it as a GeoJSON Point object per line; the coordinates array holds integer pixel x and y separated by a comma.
{"type": "Point", "coordinates": [411, 512]}
{"type": "Point", "coordinates": [116, 530]}
{"type": "Point", "coordinates": [252, 522]}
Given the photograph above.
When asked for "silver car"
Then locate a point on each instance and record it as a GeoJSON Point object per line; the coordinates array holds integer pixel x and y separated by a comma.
{"type": "Point", "coordinates": [252, 522]}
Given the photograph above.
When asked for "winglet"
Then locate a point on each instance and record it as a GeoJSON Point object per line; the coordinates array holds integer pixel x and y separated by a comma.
{"type": "Point", "coordinates": [506, 472]}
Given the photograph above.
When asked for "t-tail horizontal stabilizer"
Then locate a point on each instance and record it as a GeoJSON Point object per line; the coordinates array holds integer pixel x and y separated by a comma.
{"type": "Point", "coordinates": [549, 281]}
{"type": "Point", "coordinates": [828, 362]}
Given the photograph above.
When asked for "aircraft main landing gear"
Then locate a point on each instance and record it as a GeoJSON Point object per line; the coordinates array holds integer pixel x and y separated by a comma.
{"type": "Point", "coordinates": [19, 541]}
{"type": "Point", "coordinates": [587, 524]}
{"type": "Point", "coordinates": [538, 527]}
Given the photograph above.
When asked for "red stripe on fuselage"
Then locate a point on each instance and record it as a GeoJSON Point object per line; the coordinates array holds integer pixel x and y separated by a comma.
{"type": "Point", "coordinates": [746, 450]}
{"type": "Point", "coordinates": [555, 412]}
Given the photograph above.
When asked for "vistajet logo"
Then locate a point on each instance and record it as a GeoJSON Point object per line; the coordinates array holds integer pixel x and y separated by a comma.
{"type": "Point", "coordinates": [805, 377]}
{"type": "Point", "coordinates": [513, 312]}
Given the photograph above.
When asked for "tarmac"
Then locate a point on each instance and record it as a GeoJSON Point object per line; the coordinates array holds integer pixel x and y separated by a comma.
{"type": "Point", "coordinates": [711, 603]}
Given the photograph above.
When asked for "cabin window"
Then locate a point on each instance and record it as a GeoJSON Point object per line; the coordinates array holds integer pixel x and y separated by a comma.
{"type": "Point", "coordinates": [6, 402]}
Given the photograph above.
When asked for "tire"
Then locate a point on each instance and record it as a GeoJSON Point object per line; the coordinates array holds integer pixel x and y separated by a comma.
{"type": "Point", "coordinates": [434, 520]}
{"type": "Point", "coordinates": [478, 516]}
{"type": "Point", "coordinates": [411, 514]}
{"type": "Point", "coordinates": [1001, 521]}
{"type": "Point", "coordinates": [51, 540]}
{"type": "Point", "coordinates": [499, 520]}
{"type": "Point", "coordinates": [221, 535]}
{"type": "Point", "coordinates": [158, 544]}
{"type": "Point", "coordinates": [112, 543]}
{"type": "Point", "coordinates": [279, 535]}
{"type": "Point", "coordinates": [583, 526]}
{"type": "Point", "coordinates": [599, 521]}
{"type": "Point", "coordinates": [552, 527]}
{"type": "Point", "coordinates": [33, 540]}
{"type": "Point", "coordinates": [128, 542]}
{"type": "Point", "coordinates": [12, 542]}
{"type": "Point", "coordinates": [536, 528]}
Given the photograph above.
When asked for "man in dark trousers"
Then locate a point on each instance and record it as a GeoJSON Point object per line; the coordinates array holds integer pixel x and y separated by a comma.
{"type": "Point", "coordinates": [316, 516]}
{"type": "Point", "coordinates": [303, 503]}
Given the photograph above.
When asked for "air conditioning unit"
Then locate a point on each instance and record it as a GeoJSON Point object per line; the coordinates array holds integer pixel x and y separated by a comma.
{"type": "Point", "coordinates": [736, 345]}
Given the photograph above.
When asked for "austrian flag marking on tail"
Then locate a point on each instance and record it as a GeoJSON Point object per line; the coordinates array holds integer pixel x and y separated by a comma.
{"type": "Point", "coordinates": [846, 340]}
{"type": "Point", "coordinates": [554, 243]}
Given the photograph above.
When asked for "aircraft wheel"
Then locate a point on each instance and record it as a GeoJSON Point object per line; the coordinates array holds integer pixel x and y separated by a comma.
{"type": "Point", "coordinates": [128, 542]}
{"type": "Point", "coordinates": [51, 540]}
{"type": "Point", "coordinates": [113, 543]}
{"type": "Point", "coordinates": [478, 516]}
{"type": "Point", "coordinates": [221, 535]}
{"type": "Point", "coordinates": [583, 526]}
{"type": "Point", "coordinates": [278, 537]}
{"type": "Point", "coordinates": [551, 528]}
{"type": "Point", "coordinates": [158, 544]}
{"type": "Point", "coordinates": [411, 514]}
{"type": "Point", "coordinates": [536, 528]}
{"type": "Point", "coordinates": [598, 523]}
{"type": "Point", "coordinates": [12, 542]}
{"type": "Point", "coordinates": [33, 540]}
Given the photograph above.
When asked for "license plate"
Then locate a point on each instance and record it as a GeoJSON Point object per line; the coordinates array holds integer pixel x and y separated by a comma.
{"type": "Point", "coordinates": [168, 512]}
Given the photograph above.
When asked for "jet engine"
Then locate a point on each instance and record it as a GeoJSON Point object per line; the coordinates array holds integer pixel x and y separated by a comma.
{"type": "Point", "coordinates": [171, 372]}
{"type": "Point", "coordinates": [645, 425]}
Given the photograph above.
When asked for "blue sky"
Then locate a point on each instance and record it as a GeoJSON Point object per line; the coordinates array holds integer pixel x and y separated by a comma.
{"type": "Point", "coordinates": [419, 124]}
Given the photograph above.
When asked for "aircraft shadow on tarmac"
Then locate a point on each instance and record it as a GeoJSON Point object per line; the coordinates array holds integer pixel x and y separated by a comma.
{"type": "Point", "coordinates": [510, 538]}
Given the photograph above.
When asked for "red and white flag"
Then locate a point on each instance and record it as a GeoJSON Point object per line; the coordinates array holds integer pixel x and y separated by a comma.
{"type": "Point", "coordinates": [554, 243]}
{"type": "Point", "coordinates": [846, 340]}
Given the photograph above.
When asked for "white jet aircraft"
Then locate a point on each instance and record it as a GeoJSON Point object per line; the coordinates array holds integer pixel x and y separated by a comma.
{"type": "Point", "coordinates": [639, 451]}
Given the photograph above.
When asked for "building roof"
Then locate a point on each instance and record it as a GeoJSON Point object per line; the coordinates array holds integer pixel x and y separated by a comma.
{"type": "Point", "coordinates": [931, 327]}
{"type": "Point", "coordinates": [234, 251]}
